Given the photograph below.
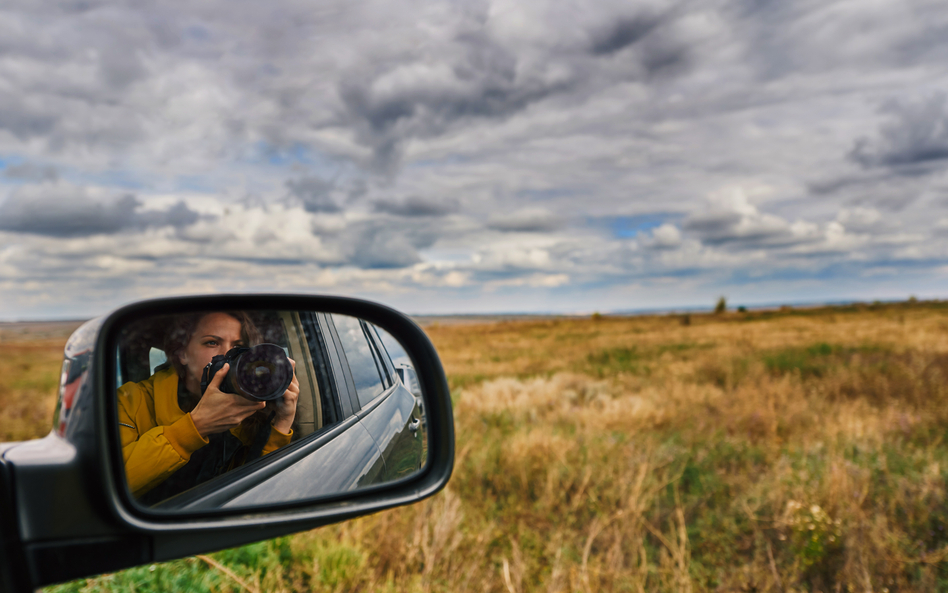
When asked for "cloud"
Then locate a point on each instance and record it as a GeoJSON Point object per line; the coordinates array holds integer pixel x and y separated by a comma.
{"type": "Point", "coordinates": [382, 243]}
{"type": "Point", "coordinates": [417, 206]}
{"type": "Point", "coordinates": [314, 193]}
{"type": "Point", "coordinates": [623, 33]}
{"type": "Point", "coordinates": [916, 134]}
{"type": "Point", "coordinates": [474, 77]}
{"type": "Point", "coordinates": [666, 236]}
{"type": "Point", "coordinates": [526, 220]}
{"type": "Point", "coordinates": [732, 221]}
{"type": "Point", "coordinates": [64, 210]}
{"type": "Point", "coordinates": [60, 209]}
{"type": "Point", "coordinates": [861, 219]}
{"type": "Point", "coordinates": [31, 172]}
{"type": "Point", "coordinates": [178, 216]}
{"type": "Point", "coordinates": [941, 227]}
{"type": "Point", "coordinates": [480, 72]}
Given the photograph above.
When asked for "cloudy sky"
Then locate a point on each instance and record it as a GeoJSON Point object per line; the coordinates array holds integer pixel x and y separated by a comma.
{"type": "Point", "coordinates": [481, 156]}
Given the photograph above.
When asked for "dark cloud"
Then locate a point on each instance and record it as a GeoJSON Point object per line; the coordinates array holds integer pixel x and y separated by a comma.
{"type": "Point", "coordinates": [64, 210]}
{"type": "Point", "coordinates": [713, 225]}
{"type": "Point", "coordinates": [59, 209]}
{"type": "Point", "coordinates": [178, 216]}
{"type": "Point", "coordinates": [475, 78]}
{"type": "Point", "coordinates": [25, 120]}
{"type": "Point", "coordinates": [916, 134]}
{"type": "Point", "coordinates": [386, 243]}
{"type": "Point", "coordinates": [832, 185]}
{"type": "Point", "coordinates": [665, 58]}
{"type": "Point", "coordinates": [623, 33]}
{"type": "Point", "coordinates": [384, 248]}
{"type": "Point", "coordinates": [418, 206]}
{"type": "Point", "coordinates": [527, 220]}
{"type": "Point", "coordinates": [477, 75]}
{"type": "Point", "coordinates": [315, 193]}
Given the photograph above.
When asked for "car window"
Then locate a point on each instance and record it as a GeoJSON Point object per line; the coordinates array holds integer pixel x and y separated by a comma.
{"type": "Point", "coordinates": [362, 362]}
{"type": "Point", "coordinates": [394, 349]}
{"type": "Point", "coordinates": [156, 358]}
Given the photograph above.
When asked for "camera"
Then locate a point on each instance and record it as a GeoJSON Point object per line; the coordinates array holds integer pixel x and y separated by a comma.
{"type": "Point", "coordinates": [262, 372]}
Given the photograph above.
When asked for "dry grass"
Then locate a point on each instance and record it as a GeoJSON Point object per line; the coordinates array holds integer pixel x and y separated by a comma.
{"type": "Point", "coordinates": [29, 378]}
{"type": "Point", "coordinates": [791, 451]}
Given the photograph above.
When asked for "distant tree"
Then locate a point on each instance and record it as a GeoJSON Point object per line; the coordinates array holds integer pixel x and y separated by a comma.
{"type": "Point", "coordinates": [597, 316]}
{"type": "Point", "coordinates": [912, 300]}
{"type": "Point", "coordinates": [721, 307]}
{"type": "Point", "coordinates": [742, 309]}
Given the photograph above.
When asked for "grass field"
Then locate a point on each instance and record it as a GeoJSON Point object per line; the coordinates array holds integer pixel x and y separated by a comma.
{"type": "Point", "coordinates": [799, 450]}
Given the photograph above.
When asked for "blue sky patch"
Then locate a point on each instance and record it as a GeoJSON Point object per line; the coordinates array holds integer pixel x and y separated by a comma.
{"type": "Point", "coordinates": [627, 227]}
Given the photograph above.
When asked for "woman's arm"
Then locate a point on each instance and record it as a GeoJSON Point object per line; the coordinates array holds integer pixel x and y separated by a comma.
{"type": "Point", "coordinates": [153, 456]}
{"type": "Point", "coordinates": [152, 453]}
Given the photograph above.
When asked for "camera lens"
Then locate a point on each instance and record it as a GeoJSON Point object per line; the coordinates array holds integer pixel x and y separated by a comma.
{"type": "Point", "coordinates": [263, 372]}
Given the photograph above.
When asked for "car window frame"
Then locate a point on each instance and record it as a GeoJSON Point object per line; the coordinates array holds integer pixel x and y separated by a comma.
{"type": "Point", "coordinates": [314, 329]}
{"type": "Point", "coordinates": [387, 379]}
{"type": "Point", "coordinates": [350, 381]}
{"type": "Point", "coordinates": [382, 351]}
{"type": "Point", "coordinates": [298, 349]}
{"type": "Point", "coordinates": [353, 405]}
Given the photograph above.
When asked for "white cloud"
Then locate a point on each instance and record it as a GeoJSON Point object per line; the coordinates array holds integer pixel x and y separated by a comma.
{"type": "Point", "coordinates": [666, 236]}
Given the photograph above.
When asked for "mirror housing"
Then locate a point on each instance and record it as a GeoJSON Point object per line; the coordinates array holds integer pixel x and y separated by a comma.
{"type": "Point", "coordinates": [65, 510]}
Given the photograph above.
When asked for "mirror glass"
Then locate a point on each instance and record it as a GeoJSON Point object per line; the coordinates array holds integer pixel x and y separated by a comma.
{"type": "Point", "coordinates": [235, 409]}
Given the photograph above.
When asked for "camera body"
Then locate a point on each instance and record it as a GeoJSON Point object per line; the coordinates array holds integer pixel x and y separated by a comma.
{"type": "Point", "coordinates": [261, 373]}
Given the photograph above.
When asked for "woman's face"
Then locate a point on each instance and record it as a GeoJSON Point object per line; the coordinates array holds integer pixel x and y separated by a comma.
{"type": "Point", "coordinates": [216, 333]}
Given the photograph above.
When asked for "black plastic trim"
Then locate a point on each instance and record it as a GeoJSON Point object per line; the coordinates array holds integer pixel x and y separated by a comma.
{"type": "Point", "coordinates": [15, 575]}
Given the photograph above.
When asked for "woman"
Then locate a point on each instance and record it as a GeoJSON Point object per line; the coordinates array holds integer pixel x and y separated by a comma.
{"type": "Point", "coordinates": [173, 437]}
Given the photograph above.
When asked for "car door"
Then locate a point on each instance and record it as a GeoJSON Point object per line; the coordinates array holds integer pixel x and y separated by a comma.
{"type": "Point", "coordinates": [389, 411]}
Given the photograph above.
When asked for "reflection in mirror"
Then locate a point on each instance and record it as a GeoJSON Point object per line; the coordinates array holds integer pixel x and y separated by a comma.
{"type": "Point", "coordinates": [234, 409]}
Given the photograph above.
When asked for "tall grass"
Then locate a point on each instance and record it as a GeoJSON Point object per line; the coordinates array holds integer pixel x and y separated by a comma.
{"type": "Point", "coordinates": [29, 380]}
{"type": "Point", "coordinates": [794, 451]}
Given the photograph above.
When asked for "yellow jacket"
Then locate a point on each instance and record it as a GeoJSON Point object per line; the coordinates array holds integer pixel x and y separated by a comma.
{"type": "Point", "coordinates": [157, 437]}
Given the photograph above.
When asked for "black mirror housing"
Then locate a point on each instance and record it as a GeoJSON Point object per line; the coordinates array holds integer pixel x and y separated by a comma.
{"type": "Point", "coordinates": [65, 510]}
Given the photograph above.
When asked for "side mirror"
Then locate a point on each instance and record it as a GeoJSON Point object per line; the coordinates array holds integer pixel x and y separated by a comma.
{"type": "Point", "coordinates": [327, 409]}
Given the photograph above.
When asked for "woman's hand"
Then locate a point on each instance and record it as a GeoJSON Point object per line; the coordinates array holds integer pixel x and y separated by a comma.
{"type": "Point", "coordinates": [218, 411]}
{"type": "Point", "coordinates": [286, 405]}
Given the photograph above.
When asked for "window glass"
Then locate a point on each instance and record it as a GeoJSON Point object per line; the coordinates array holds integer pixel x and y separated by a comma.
{"type": "Point", "coordinates": [394, 348]}
{"type": "Point", "coordinates": [362, 364]}
{"type": "Point", "coordinates": [156, 358]}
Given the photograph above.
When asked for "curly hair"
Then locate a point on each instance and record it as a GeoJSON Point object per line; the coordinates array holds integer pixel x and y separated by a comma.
{"type": "Point", "coordinates": [182, 329]}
